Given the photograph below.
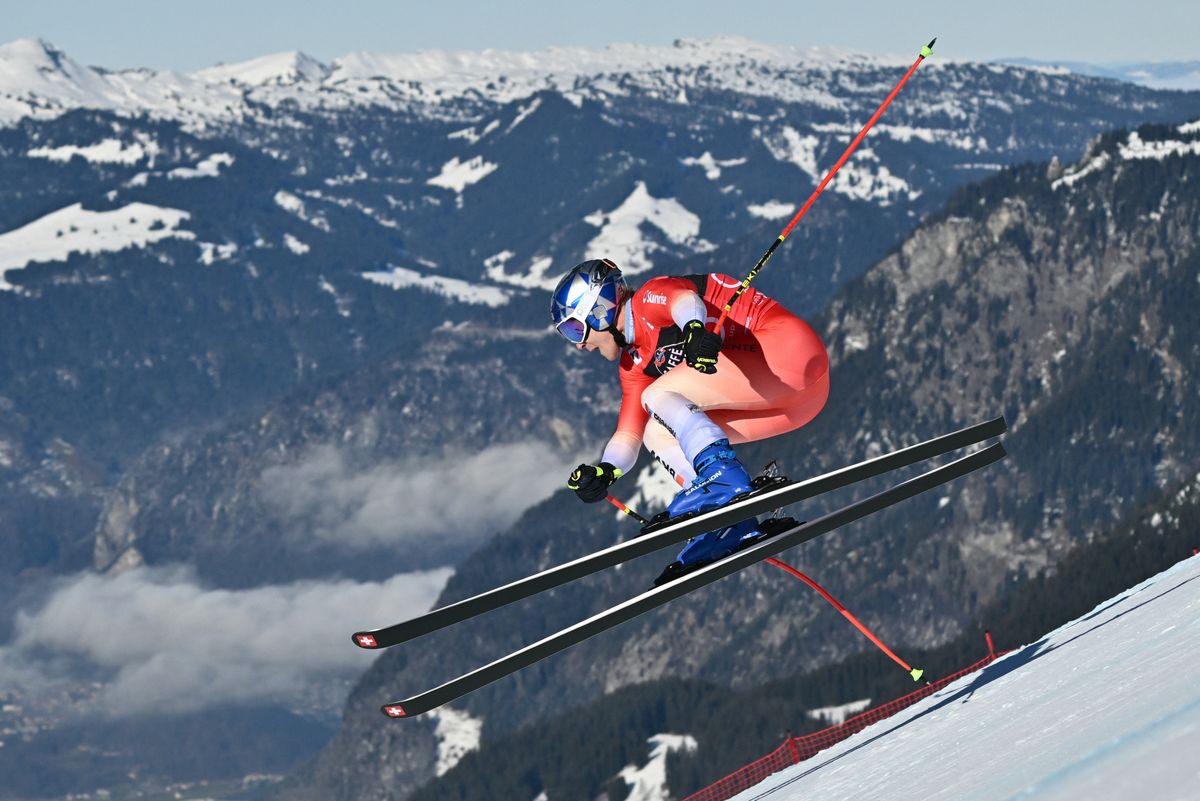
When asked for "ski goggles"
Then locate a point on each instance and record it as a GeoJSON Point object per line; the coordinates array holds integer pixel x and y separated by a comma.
{"type": "Point", "coordinates": [574, 327]}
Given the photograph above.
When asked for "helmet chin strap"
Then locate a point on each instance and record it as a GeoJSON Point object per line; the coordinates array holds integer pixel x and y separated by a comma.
{"type": "Point", "coordinates": [617, 328]}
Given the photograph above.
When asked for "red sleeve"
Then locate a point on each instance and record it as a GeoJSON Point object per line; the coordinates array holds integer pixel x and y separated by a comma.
{"type": "Point", "coordinates": [633, 417]}
{"type": "Point", "coordinates": [654, 300]}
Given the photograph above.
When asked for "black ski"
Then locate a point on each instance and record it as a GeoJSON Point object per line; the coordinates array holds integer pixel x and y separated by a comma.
{"type": "Point", "coordinates": [661, 536]}
{"type": "Point", "coordinates": [651, 599]}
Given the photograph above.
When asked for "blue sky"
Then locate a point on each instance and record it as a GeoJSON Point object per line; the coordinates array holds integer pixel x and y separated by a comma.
{"type": "Point", "coordinates": [188, 35]}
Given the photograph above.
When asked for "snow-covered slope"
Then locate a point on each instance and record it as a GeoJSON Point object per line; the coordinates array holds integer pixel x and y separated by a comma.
{"type": "Point", "coordinates": [1105, 708]}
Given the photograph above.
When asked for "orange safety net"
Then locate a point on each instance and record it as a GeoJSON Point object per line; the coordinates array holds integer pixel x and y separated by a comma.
{"type": "Point", "coordinates": [798, 749]}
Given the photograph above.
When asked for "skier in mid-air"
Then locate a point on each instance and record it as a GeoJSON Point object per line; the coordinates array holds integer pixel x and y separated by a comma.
{"type": "Point", "coordinates": [764, 374]}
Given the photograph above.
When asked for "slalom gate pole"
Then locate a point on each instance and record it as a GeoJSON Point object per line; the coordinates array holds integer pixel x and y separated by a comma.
{"type": "Point", "coordinates": [916, 673]}
{"type": "Point", "coordinates": [926, 51]}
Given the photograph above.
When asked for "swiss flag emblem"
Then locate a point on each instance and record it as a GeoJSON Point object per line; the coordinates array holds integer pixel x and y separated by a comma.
{"type": "Point", "coordinates": [365, 640]}
{"type": "Point", "coordinates": [395, 711]}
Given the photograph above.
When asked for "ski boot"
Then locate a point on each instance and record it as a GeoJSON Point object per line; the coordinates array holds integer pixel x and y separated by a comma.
{"type": "Point", "coordinates": [720, 478]}
{"type": "Point", "coordinates": [709, 547]}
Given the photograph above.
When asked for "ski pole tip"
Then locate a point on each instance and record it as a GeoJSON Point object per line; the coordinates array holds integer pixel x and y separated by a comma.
{"type": "Point", "coordinates": [916, 674]}
{"type": "Point", "coordinates": [927, 50]}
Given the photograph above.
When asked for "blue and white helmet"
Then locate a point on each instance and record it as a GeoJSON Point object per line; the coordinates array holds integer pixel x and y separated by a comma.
{"type": "Point", "coordinates": [587, 298]}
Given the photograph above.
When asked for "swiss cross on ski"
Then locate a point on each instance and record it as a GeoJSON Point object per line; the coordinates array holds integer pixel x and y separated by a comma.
{"type": "Point", "coordinates": [705, 363]}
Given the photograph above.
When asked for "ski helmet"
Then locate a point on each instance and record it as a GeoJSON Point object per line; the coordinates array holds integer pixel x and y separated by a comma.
{"type": "Point", "coordinates": [587, 298]}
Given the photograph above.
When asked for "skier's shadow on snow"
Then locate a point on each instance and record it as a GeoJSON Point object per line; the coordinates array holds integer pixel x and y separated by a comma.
{"type": "Point", "coordinates": [992, 672]}
{"type": "Point", "coordinates": [1026, 655]}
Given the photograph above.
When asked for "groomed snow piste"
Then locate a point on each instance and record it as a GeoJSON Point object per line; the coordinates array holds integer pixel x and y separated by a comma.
{"type": "Point", "coordinates": [1106, 708]}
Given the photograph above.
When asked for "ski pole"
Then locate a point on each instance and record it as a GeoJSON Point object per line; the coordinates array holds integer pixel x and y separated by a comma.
{"type": "Point", "coordinates": [627, 510]}
{"type": "Point", "coordinates": [926, 51]}
{"type": "Point", "coordinates": [916, 673]}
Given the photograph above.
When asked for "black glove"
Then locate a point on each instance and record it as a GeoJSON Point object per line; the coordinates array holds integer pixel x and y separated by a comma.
{"type": "Point", "coordinates": [591, 481]}
{"type": "Point", "coordinates": [700, 347]}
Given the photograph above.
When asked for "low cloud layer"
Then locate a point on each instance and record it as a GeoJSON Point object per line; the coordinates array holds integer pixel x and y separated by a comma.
{"type": "Point", "coordinates": [165, 642]}
{"type": "Point", "coordinates": [447, 504]}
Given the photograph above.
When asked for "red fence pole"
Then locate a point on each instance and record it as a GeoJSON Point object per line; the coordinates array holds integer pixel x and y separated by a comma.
{"type": "Point", "coordinates": [795, 748]}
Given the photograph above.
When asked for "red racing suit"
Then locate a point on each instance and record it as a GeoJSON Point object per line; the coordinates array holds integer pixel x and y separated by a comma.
{"type": "Point", "coordinates": [772, 373]}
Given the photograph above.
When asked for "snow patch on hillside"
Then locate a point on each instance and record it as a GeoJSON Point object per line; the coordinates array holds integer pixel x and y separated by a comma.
{"type": "Point", "coordinates": [74, 229]}
{"type": "Point", "coordinates": [296, 206]}
{"type": "Point", "coordinates": [1081, 171]}
{"type": "Point", "coordinates": [106, 151]}
{"type": "Point", "coordinates": [208, 168]}
{"type": "Point", "coordinates": [907, 133]}
{"type": "Point", "coordinates": [453, 288]}
{"type": "Point", "coordinates": [457, 733]}
{"type": "Point", "coordinates": [649, 783]}
{"type": "Point", "coordinates": [772, 209]}
{"type": "Point", "coordinates": [712, 166]}
{"type": "Point", "coordinates": [863, 177]}
{"type": "Point", "coordinates": [787, 145]}
{"type": "Point", "coordinates": [295, 245]}
{"type": "Point", "coordinates": [858, 179]}
{"type": "Point", "coordinates": [211, 252]}
{"type": "Point", "coordinates": [457, 175]}
{"type": "Point", "coordinates": [621, 238]}
{"type": "Point", "coordinates": [469, 133]}
{"type": "Point", "coordinates": [496, 269]}
{"type": "Point", "coordinates": [523, 113]}
{"type": "Point", "coordinates": [1135, 148]}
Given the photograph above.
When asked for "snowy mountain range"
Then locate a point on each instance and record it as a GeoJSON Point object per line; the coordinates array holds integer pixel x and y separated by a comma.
{"type": "Point", "coordinates": [252, 316]}
{"type": "Point", "coordinates": [37, 80]}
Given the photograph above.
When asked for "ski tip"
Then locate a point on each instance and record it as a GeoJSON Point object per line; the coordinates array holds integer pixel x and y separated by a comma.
{"type": "Point", "coordinates": [916, 674]}
{"type": "Point", "coordinates": [394, 711]}
{"type": "Point", "coordinates": [365, 639]}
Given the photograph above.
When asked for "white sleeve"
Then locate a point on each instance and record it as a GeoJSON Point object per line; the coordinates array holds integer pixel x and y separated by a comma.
{"type": "Point", "coordinates": [622, 451]}
{"type": "Point", "coordinates": [687, 307]}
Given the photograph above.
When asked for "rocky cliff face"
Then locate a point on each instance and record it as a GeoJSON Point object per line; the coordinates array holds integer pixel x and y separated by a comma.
{"type": "Point", "coordinates": [1063, 298]}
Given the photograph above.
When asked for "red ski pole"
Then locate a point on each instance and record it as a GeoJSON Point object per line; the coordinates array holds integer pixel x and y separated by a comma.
{"type": "Point", "coordinates": [916, 673]}
{"type": "Point", "coordinates": [926, 51]}
{"type": "Point", "coordinates": [627, 510]}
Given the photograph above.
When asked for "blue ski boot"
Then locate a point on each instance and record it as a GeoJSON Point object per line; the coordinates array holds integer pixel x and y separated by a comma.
{"type": "Point", "coordinates": [720, 477]}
